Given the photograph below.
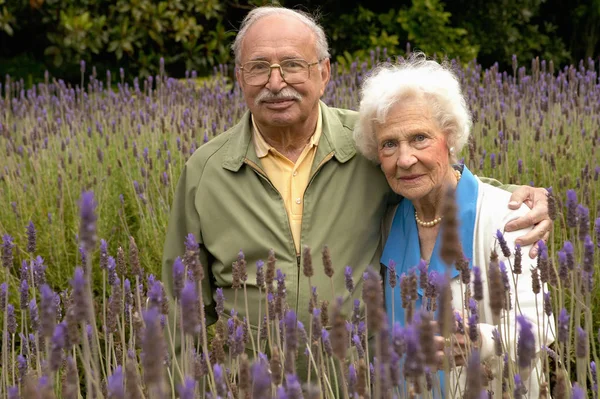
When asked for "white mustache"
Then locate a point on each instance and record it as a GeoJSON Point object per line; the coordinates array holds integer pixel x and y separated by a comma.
{"type": "Point", "coordinates": [286, 93]}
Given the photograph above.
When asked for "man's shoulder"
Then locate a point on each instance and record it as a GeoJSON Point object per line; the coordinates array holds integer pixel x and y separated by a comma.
{"type": "Point", "coordinates": [346, 117]}
{"type": "Point", "coordinates": [211, 151]}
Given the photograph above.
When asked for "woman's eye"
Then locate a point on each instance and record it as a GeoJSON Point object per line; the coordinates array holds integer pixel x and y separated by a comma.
{"type": "Point", "coordinates": [387, 144]}
{"type": "Point", "coordinates": [420, 137]}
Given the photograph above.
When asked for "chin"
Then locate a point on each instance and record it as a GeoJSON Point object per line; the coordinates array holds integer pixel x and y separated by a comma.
{"type": "Point", "coordinates": [410, 195]}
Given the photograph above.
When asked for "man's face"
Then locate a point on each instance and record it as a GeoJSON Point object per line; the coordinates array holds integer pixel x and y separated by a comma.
{"type": "Point", "coordinates": [279, 104]}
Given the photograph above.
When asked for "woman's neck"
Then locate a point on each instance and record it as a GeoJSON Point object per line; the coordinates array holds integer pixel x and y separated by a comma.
{"type": "Point", "coordinates": [429, 207]}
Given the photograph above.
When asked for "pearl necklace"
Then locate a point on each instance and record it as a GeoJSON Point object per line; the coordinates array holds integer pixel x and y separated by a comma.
{"type": "Point", "coordinates": [438, 219]}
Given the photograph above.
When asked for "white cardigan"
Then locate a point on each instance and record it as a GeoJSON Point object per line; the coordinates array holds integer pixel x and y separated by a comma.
{"type": "Point", "coordinates": [492, 215]}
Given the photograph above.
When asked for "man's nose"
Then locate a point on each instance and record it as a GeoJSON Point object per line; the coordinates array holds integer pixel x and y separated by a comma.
{"type": "Point", "coordinates": [276, 82]}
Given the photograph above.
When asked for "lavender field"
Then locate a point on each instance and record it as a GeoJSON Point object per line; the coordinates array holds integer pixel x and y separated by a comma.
{"type": "Point", "coordinates": [87, 175]}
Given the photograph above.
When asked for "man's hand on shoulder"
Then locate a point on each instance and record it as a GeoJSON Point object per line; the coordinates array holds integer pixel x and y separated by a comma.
{"type": "Point", "coordinates": [537, 200]}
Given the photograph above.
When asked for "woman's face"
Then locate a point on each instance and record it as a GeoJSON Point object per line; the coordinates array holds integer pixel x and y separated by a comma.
{"type": "Point", "coordinates": [412, 150]}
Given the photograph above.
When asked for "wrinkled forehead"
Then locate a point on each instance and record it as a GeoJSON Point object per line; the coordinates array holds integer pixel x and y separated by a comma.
{"type": "Point", "coordinates": [282, 34]}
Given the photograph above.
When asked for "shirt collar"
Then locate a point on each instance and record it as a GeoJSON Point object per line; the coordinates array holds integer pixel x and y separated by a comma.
{"type": "Point", "coordinates": [261, 146]}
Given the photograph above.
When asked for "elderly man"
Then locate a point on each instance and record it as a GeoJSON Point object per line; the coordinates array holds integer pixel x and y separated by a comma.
{"type": "Point", "coordinates": [288, 176]}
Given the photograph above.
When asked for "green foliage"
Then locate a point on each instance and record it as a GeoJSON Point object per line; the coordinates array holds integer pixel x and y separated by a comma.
{"type": "Point", "coordinates": [429, 29]}
{"type": "Point", "coordinates": [502, 29]}
{"type": "Point", "coordinates": [354, 35]}
{"type": "Point", "coordinates": [7, 19]}
{"type": "Point", "coordinates": [134, 34]}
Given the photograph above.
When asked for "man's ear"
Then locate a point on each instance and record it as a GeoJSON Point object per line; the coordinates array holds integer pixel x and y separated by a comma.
{"type": "Point", "coordinates": [238, 76]}
{"type": "Point", "coordinates": [325, 73]}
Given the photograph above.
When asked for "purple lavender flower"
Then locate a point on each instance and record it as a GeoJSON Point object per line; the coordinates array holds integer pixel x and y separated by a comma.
{"type": "Point", "coordinates": [261, 379]}
{"type": "Point", "coordinates": [80, 295]}
{"type": "Point", "coordinates": [597, 231]}
{"type": "Point", "coordinates": [413, 366]}
{"type": "Point", "coordinates": [526, 343]}
{"type": "Point", "coordinates": [473, 386]}
{"type": "Point", "coordinates": [7, 251]}
{"type": "Point", "coordinates": [563, 326]}
{"type": "Point", "coordinates": [578, 392]}
{"type": "Point", "coordinates": [187, 389]}
{"type": "Point", "coordinates": [583, 217]}
{"type": "Point", "coordinates": [392, 279]}
{"type": "Point", "coordinates": [115, 387]}
{"type": "Point", "coordinates": [477, 284]}
{"type": "Point", "coordinates": [103, 254]}
{"type": "Point", "coordinates": [33, 315]}
{"type": "Point", "coordinates": [238, 341]}
{"type": "Point", "coordinates": [39, 271]}
{"type": "Point", "coordinates": [348, 277]}
{"type": "Point", "coordinates": [594, 375]}
{"type": "Point", "coordinates": [520, 388]}
{"type": "Point", "coordinates": [326, 342]}
{"type": "Point", "coordinates": [189, 308]}
{"type": "Point", "coordinates": [293, 388]}
{"type": "Point", "coordinates": [220, 301]}
{"type": "Point", "coordinates": [24, 291]}
{"type": "Point", "coordinates": [505, 278]}
{"type": "Point", "coordinates": [178, 277]}
{"type": "Point", "coordinates": [48, 311]}
{"type": "Point", "coordinates": [352, 379]}
{"type": "Point", "coordinates": [152, 348]}
{"type": "Point", "coordinates": [473, 328]}
{"type": "Point", "coordinates": [260, 274]}
{"type": "Point", "coordinates": [58, 343]}
{"type": "Point", "coordinates": [571, 208]}
{"type": "Point", "coordinates": [291, 335]}
{"type": "Point", "coordinates": [3, 296]}
{"type": "Point", "coordinates": [423, 281]}
{"type": "Point", "coordinates": [588, 255]}
{"type": "Point", "coordinates": [570, 253]}
{"type": "Point", "coordinates": [22, 366]}
{"type": "Point", "coordinates": [547, 304]}
{"type": "Point", "coordinates": [24, 271]}
{"type": "Point", "coordinates": [87, 227]}
{"type": "Point", "coordinates": [220, 381]}
{"type": "Point", "coordinates": [503, 244]}
{"type": "Point", "coordinates": [11, 320]}
{"type": "Point", "coordinates": [31, 237]}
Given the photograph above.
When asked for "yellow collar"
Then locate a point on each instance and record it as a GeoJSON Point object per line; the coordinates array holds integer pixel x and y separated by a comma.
{"type": "Point", "coordinates": [262, 147]}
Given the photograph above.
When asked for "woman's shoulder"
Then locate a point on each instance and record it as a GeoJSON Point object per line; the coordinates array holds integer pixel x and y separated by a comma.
{"type": "Point", "coordinates": [493, 204]}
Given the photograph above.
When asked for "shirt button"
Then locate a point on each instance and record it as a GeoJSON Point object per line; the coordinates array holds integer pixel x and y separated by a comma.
{"type": "Point", "coordinates": [298, 201]}
{"type": "Point", "coordinates": [295, 173]}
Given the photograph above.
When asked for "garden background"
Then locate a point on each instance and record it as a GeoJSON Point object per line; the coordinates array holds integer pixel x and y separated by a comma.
{"type": "Point", "coordinates": [37, 35]}
{"type": "Point", "coordinates": [114, 97]}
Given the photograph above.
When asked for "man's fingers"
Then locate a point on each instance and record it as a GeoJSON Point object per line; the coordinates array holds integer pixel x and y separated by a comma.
{"type": "Point", "coordinates": [519, 196]}
{"type": "Point", "coordinates": [539, 232]}
{"type": "Point", "coordinates": [522, 222]}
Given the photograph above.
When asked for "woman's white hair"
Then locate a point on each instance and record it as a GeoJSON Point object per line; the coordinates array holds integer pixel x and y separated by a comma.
{"type": "Point", "coordinates": [258, 13]}
{"type": "Point", "coordinates": [416, 78]}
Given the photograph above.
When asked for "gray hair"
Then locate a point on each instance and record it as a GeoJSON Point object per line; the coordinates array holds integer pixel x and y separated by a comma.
{"type": "Point", "coordinates": [415, 78]}
{"type": "Point", "coordinates": [258, 13]}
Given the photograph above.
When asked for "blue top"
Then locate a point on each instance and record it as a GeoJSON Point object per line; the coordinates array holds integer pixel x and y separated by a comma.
{"type": "Point", "coordinates": [403, 247]}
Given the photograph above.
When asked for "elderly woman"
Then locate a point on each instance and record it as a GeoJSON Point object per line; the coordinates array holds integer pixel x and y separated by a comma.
{"type": "Point", "coordinates": [413, 121]}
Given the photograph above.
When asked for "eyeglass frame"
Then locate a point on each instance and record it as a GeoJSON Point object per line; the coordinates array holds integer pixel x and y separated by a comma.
{"type": "Point", "coordinates": [309, 64]}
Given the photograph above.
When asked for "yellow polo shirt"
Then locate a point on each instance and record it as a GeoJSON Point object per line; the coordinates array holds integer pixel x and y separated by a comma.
{"type": "Point", "coordinates": [289, 178]}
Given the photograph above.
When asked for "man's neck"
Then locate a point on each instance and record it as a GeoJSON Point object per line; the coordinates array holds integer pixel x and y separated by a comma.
{"type": "Point", "coordinates": [289, 141]}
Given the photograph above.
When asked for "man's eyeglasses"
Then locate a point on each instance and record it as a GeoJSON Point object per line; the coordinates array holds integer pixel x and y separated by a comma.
{"type": "Point", "coordinates": [257, 73]}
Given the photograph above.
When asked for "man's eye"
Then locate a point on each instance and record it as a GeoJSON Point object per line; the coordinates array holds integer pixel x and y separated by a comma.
{"type": "Point", "coordinates": [258, 68]}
